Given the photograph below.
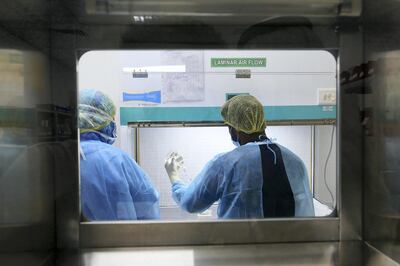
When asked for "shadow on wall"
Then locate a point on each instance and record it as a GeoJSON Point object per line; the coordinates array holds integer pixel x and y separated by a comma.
{"type": "Point", "coordinates": [193, 35]}
{"type": "Point", "coordinates": [282, 33]}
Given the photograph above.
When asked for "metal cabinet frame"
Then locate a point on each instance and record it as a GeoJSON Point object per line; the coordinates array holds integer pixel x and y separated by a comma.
{"type": "Point", "coordinates": [158, 233]}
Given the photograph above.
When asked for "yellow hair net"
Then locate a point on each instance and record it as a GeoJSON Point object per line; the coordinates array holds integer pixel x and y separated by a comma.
{"type": "Point", "coordinates": [244, 113]}
{"type": "Point", "coordinates": [96, 110]}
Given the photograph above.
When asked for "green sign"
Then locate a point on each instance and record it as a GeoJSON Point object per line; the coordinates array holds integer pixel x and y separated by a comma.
{"type": "Point", "coordinates": [239, 62]}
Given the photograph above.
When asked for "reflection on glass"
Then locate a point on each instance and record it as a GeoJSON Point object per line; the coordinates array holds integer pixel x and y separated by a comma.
{"type": "Point", "coordinates": [25, 187]}
{"type": "Point", "coordinates": [215, 144]}
{"type": "Point", "coordinates": [16, 132]}
{"type": "Point", "coordinates": [32, 131]}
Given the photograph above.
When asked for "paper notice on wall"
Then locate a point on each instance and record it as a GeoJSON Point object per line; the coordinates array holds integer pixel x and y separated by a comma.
{"type": "Point", "coordinates": [183, 86]}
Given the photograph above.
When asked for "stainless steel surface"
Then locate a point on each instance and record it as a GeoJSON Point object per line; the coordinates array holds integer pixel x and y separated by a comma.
{"type": "Point", "coordinates": [64, 87]}
{"type": "Point", "coordinates": [389, 249]}
{"type": "Point", "coordinates": [63, 83]}
{"type": "Point", "coordinates": [374, 256]}
{"type": "Point", "coordinates": [334, 253]}
{"type": "Point", "coordinates": [57, 29]}
{"type": "Point", "coordinates": [350, 136]}
{"type": "Point", "coordinates": [272, 254]}
{"type": "Point", "coordinates": [67, 204]}
{"type": "Point", "coordinates": [382, 146]}
{"type": "Point", "coordinates": [382, 134]}
{"type": "Point", "coordinates": [221, 124]}
{"type": "Point", "coordinates": [352, 253]}
{"type": "Point", "coordinates": [181, 11]}
{"type": "Point", "coordinates": [157, 233]}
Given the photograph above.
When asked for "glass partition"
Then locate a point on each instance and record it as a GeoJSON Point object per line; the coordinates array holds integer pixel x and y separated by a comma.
{"type": "Point", "coordinates": [169, 102]}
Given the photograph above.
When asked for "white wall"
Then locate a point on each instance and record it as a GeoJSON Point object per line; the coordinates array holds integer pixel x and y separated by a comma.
{"type": "Point", "coordinates": [323, 135]}
{"type": "Point", "coordinates": [290, 78]}
{"type": "Point", "coordinates": [199, 144]}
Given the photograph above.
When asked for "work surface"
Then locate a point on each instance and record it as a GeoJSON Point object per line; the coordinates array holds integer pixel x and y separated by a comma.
{"type": "Point", "coordinates": [327, 253]}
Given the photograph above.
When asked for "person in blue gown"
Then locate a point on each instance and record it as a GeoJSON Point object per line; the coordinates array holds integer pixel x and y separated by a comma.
{"type": "Point", "coordinates": [113, 186]}
{"type": "Point", "coordinates": [258, 179]}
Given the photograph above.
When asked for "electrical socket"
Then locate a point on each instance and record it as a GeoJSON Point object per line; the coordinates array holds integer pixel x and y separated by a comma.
{"type": "Point", "coordinates": [327, 96]}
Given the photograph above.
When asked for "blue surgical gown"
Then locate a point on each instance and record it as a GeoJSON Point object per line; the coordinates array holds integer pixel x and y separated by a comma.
{"type": "Point", "coordinates": [235, 180]}
{"type": "Point", "coordinates": [113, 186]}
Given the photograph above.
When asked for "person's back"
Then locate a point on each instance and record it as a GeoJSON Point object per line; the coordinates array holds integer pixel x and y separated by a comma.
{"type": "Point", "coordinates": [113, 186]}
{"type": "Point", "coordinates": [240, 187]}
{"type": "Point", "coordinates": [246, 182]}
{"type": "Point", "coordinates": [258, 179]}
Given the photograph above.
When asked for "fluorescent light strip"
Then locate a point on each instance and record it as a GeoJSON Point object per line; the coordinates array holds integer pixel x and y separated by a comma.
{"type": "Point", "coordinates": [157, 69]}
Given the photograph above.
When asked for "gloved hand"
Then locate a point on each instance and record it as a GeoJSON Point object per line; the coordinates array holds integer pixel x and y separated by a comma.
{"type": "Point", "coordinates": [172, 165]}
